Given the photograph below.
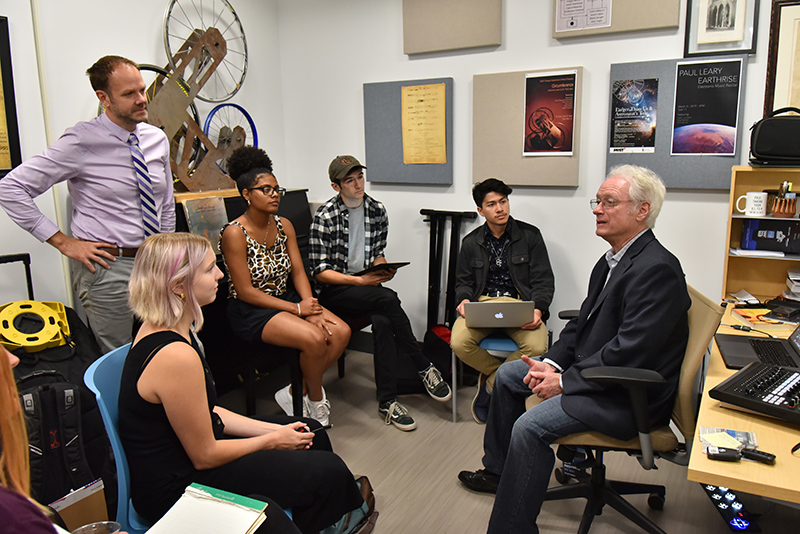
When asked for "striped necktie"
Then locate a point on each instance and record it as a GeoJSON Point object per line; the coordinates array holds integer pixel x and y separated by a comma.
{"type": "Point", "coordinates": [149, 213]}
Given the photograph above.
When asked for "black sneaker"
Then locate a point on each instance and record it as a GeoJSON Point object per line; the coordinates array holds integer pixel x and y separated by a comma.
{"type": "Point", "coordinates": [481, 480]}
{"type": "Point", "coordinates": [396, 414]}
{"type": "Point", "coordinates": [480, 404]}
{"type": "Point", "coordinates": [435, 384]}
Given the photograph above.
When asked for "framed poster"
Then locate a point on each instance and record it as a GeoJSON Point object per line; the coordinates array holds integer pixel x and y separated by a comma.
{"type": "Point", "coordinates": [634, 109]}
{"type": "Point", "coordinates": [783, 62]}
{"type": "Point", "coordinates": [717, 27]}
{"type": "Point", "coordinates": [10, 155]}
{"type": "Point", "coordinates": [549, 113]}
{"type": "Point", "coordinates": [706, 113]}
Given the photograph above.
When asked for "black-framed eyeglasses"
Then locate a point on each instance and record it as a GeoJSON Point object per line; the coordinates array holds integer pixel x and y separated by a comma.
{"type": "Point", "coordinates": [268, 190]}
{"type": "Point", "coordinates": [608, 204]}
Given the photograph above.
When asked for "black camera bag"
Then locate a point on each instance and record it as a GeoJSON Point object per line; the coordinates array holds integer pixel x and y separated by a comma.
{"type": "Point", "coordinates": [775, 140]}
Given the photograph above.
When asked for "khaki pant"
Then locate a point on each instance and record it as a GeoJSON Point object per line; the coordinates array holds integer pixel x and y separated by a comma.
{"type": "Point", "coordinates": [464, 343]}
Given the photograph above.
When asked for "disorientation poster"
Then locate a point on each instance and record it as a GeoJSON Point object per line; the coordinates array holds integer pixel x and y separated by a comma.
{"type": "Point", "coordinates": [634, 109]}
{"type": "Point", "coordinates": [706, 107]}
{"type": "Point", "coordinates": [549, 113]}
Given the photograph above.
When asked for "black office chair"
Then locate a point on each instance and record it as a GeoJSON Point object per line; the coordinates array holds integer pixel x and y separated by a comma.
{"type": "Point", "coordinates": [704, 318]}
{"type": "Point", "coordinates": [239, 362]}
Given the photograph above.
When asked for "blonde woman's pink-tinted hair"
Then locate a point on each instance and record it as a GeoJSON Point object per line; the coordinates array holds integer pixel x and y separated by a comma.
{"type": "Point", "coordinates": [163, 277]}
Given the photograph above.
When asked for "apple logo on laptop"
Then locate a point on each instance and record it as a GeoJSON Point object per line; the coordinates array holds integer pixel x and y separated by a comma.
{"type": "Point", "coordinates": [498, 315]}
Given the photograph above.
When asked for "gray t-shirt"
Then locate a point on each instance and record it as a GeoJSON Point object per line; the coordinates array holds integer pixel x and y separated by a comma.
{"type": "Point", "coordinates": [355, 239]}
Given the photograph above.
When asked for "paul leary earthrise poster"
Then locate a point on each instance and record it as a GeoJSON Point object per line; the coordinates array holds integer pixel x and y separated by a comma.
{"type": "Point", "coordinates": [706, 107]}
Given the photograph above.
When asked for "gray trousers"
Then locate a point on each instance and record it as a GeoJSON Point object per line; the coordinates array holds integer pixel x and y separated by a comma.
{"type": "Point", "coordinates": [104, 296]}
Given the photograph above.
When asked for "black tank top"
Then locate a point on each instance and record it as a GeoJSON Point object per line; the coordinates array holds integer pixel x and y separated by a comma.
{"type": "Point", "coordinates": [160, 469]}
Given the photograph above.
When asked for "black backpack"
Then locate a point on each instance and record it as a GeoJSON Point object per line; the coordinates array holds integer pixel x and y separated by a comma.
{"type": "Point", "coordinates": [69, 447]}
{"type": "Point", "coordinates": [64, 455]}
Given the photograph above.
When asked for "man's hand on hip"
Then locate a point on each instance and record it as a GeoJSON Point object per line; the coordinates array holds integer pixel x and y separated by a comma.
{"type": "Point", "coordinates": [85, 252]}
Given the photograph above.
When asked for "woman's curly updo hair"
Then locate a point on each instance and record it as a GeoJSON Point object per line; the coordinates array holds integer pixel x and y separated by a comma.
{"type": "Point", "coordinates": [246, 163]}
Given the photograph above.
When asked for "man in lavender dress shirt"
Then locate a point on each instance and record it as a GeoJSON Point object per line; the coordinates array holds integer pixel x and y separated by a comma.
{"type": "Point", "coordinates": [94, 158]}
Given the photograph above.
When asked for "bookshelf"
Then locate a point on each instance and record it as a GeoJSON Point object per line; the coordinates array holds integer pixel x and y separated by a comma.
{"type": "Point", "coordinates": [762, 276]}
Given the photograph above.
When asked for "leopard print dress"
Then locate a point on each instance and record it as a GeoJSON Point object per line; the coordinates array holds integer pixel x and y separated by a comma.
{"type": "Point", "coordinates": [269, 266]}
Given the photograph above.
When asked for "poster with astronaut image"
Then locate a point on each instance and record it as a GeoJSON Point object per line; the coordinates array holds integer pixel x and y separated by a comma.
{"type": "Point", "coordinates": [634, 107]}
{"type": "Point", "coordinates": [549, 113]}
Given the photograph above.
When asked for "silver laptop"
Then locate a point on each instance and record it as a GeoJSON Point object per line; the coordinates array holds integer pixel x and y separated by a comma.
{"type": "Point", "coordinates": [498, 314]}
{"type": "Point", "coordinates": [738, 351]}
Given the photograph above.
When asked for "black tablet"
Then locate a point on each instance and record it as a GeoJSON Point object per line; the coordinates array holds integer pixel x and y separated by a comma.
{"type": "Point", "coordinates": [383, 267]}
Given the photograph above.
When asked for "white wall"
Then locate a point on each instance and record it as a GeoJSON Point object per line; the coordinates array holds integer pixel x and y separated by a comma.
{"type": "Point", "coordinates": [46, 264]}
{"type": "Point", "coordinates": [330, 49]}
{"type": "Point", "coordinates": [309, 60]}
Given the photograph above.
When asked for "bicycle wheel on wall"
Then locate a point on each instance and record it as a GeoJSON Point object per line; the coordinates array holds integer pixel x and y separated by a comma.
{"type": "Point", "coordinates": [183, 21]}
{"type": "Point", "coordinates": [221, 123]}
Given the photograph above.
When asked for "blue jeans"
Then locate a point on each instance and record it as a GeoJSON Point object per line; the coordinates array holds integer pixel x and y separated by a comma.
{"type": "Point", "coordinates": [517, 446]}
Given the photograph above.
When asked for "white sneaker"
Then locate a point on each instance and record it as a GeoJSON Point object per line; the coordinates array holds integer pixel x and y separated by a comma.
{"type": "Point", "coordinates": [284, 399]}
{"type": "Point", "coordinates": [320, 410]}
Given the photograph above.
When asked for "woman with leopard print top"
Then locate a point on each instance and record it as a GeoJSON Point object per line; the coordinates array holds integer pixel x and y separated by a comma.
{"type": "Point", "coordinates": [261, 255]}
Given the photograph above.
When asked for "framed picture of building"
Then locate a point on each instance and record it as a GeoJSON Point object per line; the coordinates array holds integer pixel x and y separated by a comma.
{"type": "Point", "coordinates": [718, 27]}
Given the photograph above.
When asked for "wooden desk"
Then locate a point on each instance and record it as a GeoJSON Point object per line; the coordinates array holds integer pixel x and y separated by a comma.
{"type": "Point", "coordinates": [780, 481]}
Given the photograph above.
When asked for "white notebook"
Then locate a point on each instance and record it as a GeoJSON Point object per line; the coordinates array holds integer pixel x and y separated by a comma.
{"type": "Point", "coordinates": [205, 510]}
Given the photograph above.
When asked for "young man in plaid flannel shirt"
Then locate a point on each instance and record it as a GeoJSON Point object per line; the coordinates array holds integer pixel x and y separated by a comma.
{"type": "Point", "coordinates": [348, 235]}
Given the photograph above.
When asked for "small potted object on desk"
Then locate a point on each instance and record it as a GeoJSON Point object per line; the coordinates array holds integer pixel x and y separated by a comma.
{"type": "Point", "coordinates": [785, 201]}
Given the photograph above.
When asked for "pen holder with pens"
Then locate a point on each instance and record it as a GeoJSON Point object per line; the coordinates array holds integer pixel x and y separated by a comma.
{"type": "Point", "coordinates": [784, 207]}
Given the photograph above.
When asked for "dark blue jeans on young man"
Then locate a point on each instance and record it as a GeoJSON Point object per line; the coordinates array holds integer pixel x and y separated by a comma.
{"type": "Point", "coordinates": [516, 445]}
{"type": "Point", "coordinates": [392, 336]}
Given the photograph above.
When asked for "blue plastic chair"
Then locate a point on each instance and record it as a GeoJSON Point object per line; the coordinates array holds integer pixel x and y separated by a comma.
{"type": "Point", "coordinates": [498, 345]}
{"type": "Point", "coordinates": [103, 378]}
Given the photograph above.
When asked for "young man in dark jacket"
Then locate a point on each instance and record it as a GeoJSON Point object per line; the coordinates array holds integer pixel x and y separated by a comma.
{"type": "Point", "coordinates": [505, 259]}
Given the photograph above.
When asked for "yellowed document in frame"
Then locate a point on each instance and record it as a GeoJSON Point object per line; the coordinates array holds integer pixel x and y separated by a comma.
{"type": "Point", "coordinates": [5, 147]}
{"type": "Point", "coordinates": [424, 126]}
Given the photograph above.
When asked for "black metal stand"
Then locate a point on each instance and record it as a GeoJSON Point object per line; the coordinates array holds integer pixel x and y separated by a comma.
{"type": "Point", "coordinates": [25, 258]}
{"type": "Point", "coordinates": [438, 219]}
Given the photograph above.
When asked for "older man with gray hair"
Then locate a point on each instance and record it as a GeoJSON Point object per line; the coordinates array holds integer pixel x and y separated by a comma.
{"type": "Point", "coordinates": [635, 315]}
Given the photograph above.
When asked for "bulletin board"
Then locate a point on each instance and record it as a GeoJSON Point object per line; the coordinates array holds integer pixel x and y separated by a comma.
{"type": "Point", "coordinates": [707, 171]}
{"type": "Point", "coordinates": [383, 131]}
{"type": "Point", "coordinates": [626, 15]}
{"type": "Point", "coordinates": [435, 26]}
{"type": "Point", "coordinates": [498, 131]}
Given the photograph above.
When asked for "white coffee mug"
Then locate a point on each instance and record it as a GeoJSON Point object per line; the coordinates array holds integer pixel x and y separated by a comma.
{"type": "Point", "coordinates": [755, 204]}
